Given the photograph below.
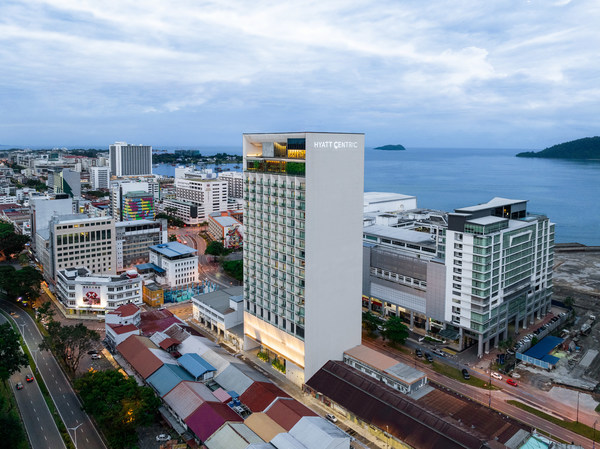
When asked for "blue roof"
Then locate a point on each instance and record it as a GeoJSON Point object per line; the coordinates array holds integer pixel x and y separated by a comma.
{"type": "Point", "coordinates": [173, 249]}
{"type": "Point", "coordinates": [167, 377]}
{"type": "Point", "coordinates": [542, 350]}
{"type": "Point", "coordinates": [150, 266]}
{"type": "Point", "coordinates": [195, 365]}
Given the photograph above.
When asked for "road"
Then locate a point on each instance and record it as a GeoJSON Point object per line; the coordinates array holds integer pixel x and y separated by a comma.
{"type": "Point", "coordinates": [498, 397]}
{"type": "Point", "coordinates": [39, 424]}
{"type": "Point", "coordinates": [67, 403]}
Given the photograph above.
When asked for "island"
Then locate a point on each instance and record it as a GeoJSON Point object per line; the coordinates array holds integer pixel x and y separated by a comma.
{"type": "Point", "coordinates": [391, 148]}
{"type": "Point", "coordinates": [586, 148]}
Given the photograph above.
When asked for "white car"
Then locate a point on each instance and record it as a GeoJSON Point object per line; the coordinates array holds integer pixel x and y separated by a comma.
{"type": "Point", "coordinates": [96, 356]}
{"type": "Point", "coordinates": [163, 437]}
{"type": "Point", "coordinates": [331, 417]}
{"type": "Point", "coordinates": [497, 376]}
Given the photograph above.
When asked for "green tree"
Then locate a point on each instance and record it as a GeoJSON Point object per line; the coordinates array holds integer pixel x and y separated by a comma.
{"type": "Point", "coordinates": [569, 302]}
{"type": "Point", "coordinates": [12, 358]}
{"type": "Point", "coordinates": [172, 238]}
{"type": "Point", "coordinates": [10, 242]}
{"type": "Point", "coordinates": [24, 283]}
{"type": "Point", "coordinates": [370, 322]}
{"type": "Point", "coordinates": [214, 248]}
{"type": "Point", "coordinates": [45, 311]}
{"type": "Point", "coordinates": [119, 405]}
{"type": "Point", "coordinates": [70, 343]}
{"type": "Point", "coordinates": [234, 268]}
{"type": "Point", "coordinates": [11, 430]}
{"type": "Point", "coordinates": [395, 330]}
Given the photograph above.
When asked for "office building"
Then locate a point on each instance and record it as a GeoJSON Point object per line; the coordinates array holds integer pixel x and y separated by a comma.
{"type": "Point", "coordinates": [64, 180]}
{"type": "Point", "coordinates": [137, 206]}
{"type": "Point", "coordinates": [81, 241]}
{"type": "Point", "coordinates": [185, 211]}
{"type": "Point", "coordinates": [130, 160]}
{"type": "Point", "coordinates": [84, 293]}
{"type": "Point", "coordinates": [177, 263]}
{"type": "Point", "coordinates": [42, 209]}
{"type": "Point", "coordinates": [100, 177]}
{"type": "Point", "coordinates": [302, 254]}
{"type": "Point", "coordinates": [144, 189]}
{"type": "Point", "coordinates": [209, 194]}
{"type": "Point", "coordinates": [235, 183]}
{"type": "Point", "coordinates": [133, 239]}
{"type": "Point", "coordinates": [499, 261]}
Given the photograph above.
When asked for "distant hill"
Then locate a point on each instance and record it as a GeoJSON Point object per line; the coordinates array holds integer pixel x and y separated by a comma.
{"type": "Point", "coordinates": [391, 148]}
{"type": "Point", "coordinates": [586, 148]}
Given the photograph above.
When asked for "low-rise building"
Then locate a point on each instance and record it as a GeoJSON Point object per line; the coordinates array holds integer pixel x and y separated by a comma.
{"type": "Point", "coordinates": [83, 293]}
{"type": "Point", "coordinates": [222, 311]}
{"type": "Point", "coordinates": [179, 262]}
{"type": "Point", "coordinates": [223, 227]}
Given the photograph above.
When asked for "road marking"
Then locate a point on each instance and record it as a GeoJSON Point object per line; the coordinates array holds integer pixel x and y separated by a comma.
{"type": "Point", "coordinates": [87, 440]}
{"type": "Point", "coordinates": [38, 418]}
{"type": "Point", "coordinates": [45, 437]}
{"type": "Point", "coordinates": [72, 412]}
{"type": "Point", "coordinates": [34, 410]}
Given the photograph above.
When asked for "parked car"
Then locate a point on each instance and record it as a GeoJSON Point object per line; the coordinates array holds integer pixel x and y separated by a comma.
{"type": "Point", "coordinates": [497, 375]}
{"type": "Point", "coordinates": [419, 353]}
{"type": "Point", "coordinates": [19, 386]}
{"type": "Point", "coordinates": [429, 357]}
{"type": "Point", "coordinates": [331, 417]}
{"type": "Point", "coordinates": [465, 374]}
{"type": "Point", "coordinates": [163, 437]}
{"type": "Point", "coordinates": [96, 356]}
{"type": "Point", "coordinates": [92, 351]}
{"type": "Point", "coordinates": [29, 377]}
{"type": "Point", "coordinates": [514, 383]}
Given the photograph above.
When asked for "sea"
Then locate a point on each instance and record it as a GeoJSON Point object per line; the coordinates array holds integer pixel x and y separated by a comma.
{"type": "Point", "coordinates": [568, 192]}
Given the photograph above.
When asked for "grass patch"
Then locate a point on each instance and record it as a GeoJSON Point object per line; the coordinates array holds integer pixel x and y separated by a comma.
{"type": "Point", "coordinates": [573, 426]}
{"type": "Point", "coordinates": [456, 374]}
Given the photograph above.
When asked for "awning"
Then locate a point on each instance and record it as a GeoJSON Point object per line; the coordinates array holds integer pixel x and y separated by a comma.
{"type": "Point", "coordinates": [449, 334]}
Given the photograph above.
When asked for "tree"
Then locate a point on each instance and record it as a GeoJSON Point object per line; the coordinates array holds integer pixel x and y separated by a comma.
{"type": "Point", "coordinates": [370, 322]}
{"type": "Point", "coordinates": [172, 238]}
{"type": "Point", "coordinates": [214, 248]}
{"type": "Point", "coordinates": [11, 242]}
{"type": "Point", "coordinates": [12, 358]}
{"type": "Point", "coordinates": [45, 311]}
{"type": "Point", "coordinates": [11, 429]}
{"type": "Point", "coordinates": [70, 343]}
{"type": "Point", "coordinates": [24, 283]}
{"type": "Point", "coordinates": [569, 302]}
{"type": "Point", "coordinates": [234, 268]}
{"type": "Point", "coordinates": [119, 405]}
{"type": "Point", "coordinates": [394, 330]}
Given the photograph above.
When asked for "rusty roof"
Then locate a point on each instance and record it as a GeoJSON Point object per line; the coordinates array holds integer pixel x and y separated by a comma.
{"type": "Point", "coordinates": [136, 350]}
{"type": "Point", "coordinates": [259, 395]}
{"type": "Point", "coordinates": [287, 412]}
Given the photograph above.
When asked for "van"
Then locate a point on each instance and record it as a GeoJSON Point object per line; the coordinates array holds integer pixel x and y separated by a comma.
{"type": "Point", "coordinates": [465, 374]}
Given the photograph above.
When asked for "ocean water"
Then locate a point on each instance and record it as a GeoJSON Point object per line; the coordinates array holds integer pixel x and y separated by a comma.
{"type": "Point", "coordinates": [566, 191]}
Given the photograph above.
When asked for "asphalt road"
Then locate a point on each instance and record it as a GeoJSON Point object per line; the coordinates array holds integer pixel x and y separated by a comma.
{"type": "Point", "coordinates": [67, 403]}
{"type": "Point", "coordinates": [39, 424]}
{"type": "Point", "coordinates": [499, 397]}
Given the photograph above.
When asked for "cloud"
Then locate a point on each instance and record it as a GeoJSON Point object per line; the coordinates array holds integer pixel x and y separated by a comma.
{"type": "Point", "coordinates": [336, 64]}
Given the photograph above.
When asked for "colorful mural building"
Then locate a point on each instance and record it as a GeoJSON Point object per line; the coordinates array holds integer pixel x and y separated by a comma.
{"type": "Point", "coordinates": [138, 206]}
{"type": "Point", "coordinates": [226, 227]}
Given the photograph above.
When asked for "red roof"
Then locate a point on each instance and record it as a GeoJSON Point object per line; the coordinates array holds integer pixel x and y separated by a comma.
{"type": "Point", "coordinates": [209, 417]}
{"type": "Point", "coordinates": [120, 329]}
{"type": "Point", "coordinates": [287, 412]}
{"type": "Point", "coordinates": [10, 206]}
{"type": "Point", "coordinates": [135, 349]}
{"type": "Point", "coordinates": [126, 310]}
{"type": "Point", "coordinates": [168, 342]}
{"type": "Point", "coordinates": [157, 321]}
{"type": "Point", "coordinates": [260, 395]}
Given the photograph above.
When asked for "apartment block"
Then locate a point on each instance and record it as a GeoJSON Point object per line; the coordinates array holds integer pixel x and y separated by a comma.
{"type": "Point", "coordinates": [130, 160]}
{"type": "Point", "coordinates": [100, 177]}
{"type": "Point", "coordinates": [235, 183]}
{"type": "Point", "coordinates": [302, 254]}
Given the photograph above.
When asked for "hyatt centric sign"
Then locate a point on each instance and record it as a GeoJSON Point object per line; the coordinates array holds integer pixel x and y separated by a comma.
{"type": "Point", "coordinates": [336, 145]}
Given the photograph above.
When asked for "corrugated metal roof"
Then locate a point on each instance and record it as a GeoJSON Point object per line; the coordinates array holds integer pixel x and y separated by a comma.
{"type": "Point", "coordinates": [287, 412]}
{"type": "Point", "coordinates": [172, 249]}
{"type": "Point", "coordinates": [209, 417]}
{"type": "Point", "coordinates": [195, 364]}
{"type": "Point", "coordinates": [167, 377]}
{"type": "Point", "coordinates": [187, 397]}
{"type": "Point", "coordinates": [232, 436]}
{"type": "Point", "coordinates": [260, 395]}
{"type": "Point", "coordinates": [314, 431]}
{"type": "Point", "coordinates": [287, 441]}
{"type": "Point", "coordinates": [387, 409]}
{"type": "Point", "coordinates": [135, 349]}
{"type": "Point", "coordinates": [262, 425]}
{"type": "Point", "coordinates": [222, 395]}
{"type": "Point", "coordinates": [238, 377]}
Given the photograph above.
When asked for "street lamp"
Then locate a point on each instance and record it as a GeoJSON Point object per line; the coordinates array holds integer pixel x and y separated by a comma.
{"type": "Point", "coordinates": [74, 429]}
{"type": "Point", "coordinates": [594, 440]}
{"type": "Point", "coordinates": [577, 407]}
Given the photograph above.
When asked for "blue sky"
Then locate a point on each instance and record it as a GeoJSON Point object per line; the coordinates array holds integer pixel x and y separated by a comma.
{"type": "Point", "coordinates": [482, 74]}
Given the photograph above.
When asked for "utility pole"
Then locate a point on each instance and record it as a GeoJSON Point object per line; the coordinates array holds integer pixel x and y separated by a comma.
{"type": "Point", "coordinates": [594, 439]}
{"type": "Point", "coordinates": [577, 406]}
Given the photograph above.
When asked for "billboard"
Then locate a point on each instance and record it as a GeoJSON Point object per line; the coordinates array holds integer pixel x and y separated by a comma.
{"type": "Point", "coordinates": [92, 297]}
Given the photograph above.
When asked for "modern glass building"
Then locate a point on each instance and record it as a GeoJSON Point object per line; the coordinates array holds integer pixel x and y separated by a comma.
{"type": "Point", "coordinates": [303, 249]}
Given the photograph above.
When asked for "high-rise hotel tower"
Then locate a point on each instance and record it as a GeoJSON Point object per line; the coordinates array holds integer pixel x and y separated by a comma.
{"type": "Point", "coordinates": [303, 246]}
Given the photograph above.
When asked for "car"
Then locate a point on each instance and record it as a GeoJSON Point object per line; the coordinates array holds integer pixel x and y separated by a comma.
{"type": "Point", "coordinates": [29, 377]}
{"type": "Point", "coordinates": [497, 376]}
{"type": "Point", "coordinates": [163, 437]}
{"type": "Point", "coordinates": [421, 339]}
{"type": "Point", "coordinates": [96, 356]}
{"type": "Point", "coordinates": [92, 351]}
{"type": "Point", "coordinates": [465, 374]}
{"type": "Point", "coordinates": [19, 386]}
{"type": "Point", "coordinates": [512, 382]}
{"type": "Point", "coordinates": [429, 357]}
{"type": "Point", "coordinates": [419, 353]}
{"type": "Point", "coordinates": [331, 417]}
{"type": "Point", "coordinates": [12, 313]}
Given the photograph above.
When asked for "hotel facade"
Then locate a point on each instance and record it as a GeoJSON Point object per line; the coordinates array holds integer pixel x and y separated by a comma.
{"type": "Point", "coordinates": [302, 254]}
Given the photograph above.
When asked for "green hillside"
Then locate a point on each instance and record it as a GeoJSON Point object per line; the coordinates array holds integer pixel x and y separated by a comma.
{"type": "Point", "coordinates": [586, 148]}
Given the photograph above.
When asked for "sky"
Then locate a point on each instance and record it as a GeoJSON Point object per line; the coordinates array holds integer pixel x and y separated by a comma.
{"type": "Point", "coordinates": [473, 74]}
